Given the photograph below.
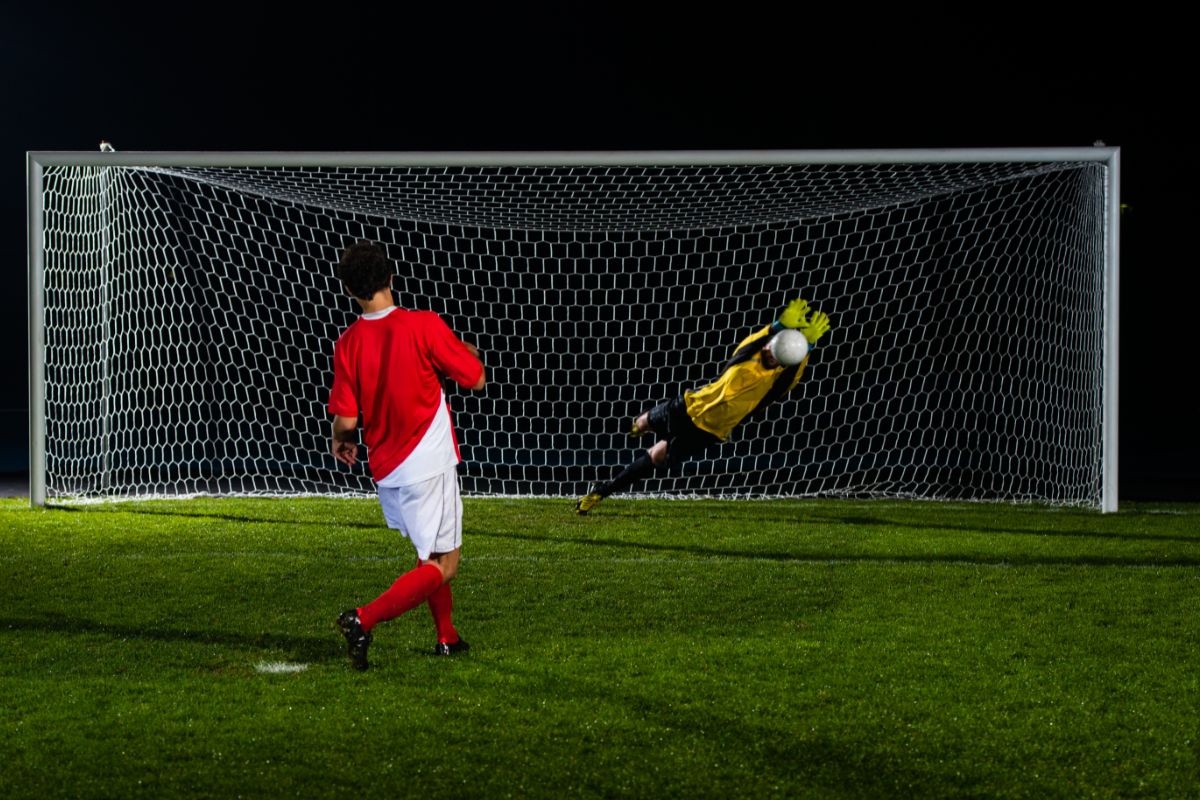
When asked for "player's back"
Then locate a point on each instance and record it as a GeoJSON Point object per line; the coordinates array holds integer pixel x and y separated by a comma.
{"type": "Point", "coordinates": [394, 364]}
{"type": "Point", "coordinates": [392, 355]}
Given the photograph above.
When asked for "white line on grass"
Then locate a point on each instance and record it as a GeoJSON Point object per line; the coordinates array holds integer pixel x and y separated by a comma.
{"type": "Point", "coordinates": [698, 560]}
{"type": "Point", "coordinates": [279, 667]}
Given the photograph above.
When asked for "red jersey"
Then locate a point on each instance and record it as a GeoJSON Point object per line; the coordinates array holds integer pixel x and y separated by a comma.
{"type": "Point", "coordinates": [390, 369]}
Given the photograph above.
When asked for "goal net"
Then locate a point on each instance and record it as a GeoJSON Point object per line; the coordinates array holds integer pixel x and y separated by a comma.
{"type": "Point", "coordinates": [189, 314]}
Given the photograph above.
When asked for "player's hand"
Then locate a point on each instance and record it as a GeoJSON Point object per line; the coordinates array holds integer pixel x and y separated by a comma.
{"type": "Point", "coordinates": [345, 451]}
{"type": "Point", "coordinates": [793, 315]}
{"type": "Point", "coordinates": [816, 327]}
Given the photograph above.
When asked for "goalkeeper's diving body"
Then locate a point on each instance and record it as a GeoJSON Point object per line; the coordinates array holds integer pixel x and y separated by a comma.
{"type": "Point", "coordinates": [764, 367]}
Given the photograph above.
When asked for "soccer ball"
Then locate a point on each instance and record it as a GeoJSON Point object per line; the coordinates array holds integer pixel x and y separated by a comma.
{"type": "Point", "coordinates": [789, 347]}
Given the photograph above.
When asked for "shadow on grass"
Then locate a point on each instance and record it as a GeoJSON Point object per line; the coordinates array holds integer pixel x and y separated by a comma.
{"type": "Point", "coordinates": [776, 750]}
{"type": "Point", "coordinates": [808, 516]}
{"type": "Point", "coordinates": [748, 515]}
{"type": "Point", "coordinates": [842, 558]}
{"type": "Point", "coordinates": [238, 518]}
{"type": "Point", "coordinates": [866, 522]}
{"type": "Point", "coordinates": [299, 648]}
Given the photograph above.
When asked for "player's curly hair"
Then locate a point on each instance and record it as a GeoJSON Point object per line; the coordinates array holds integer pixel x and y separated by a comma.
{"type": "Point", "coordinates": [365, 269]}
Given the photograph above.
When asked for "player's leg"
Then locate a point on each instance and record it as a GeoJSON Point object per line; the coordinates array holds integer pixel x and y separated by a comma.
{"type": "Point", "coordinates": [441, 606]}
{"type": "Point", "coordinates": [429, 513]}
{"type": "Point", "coordinates": [667, 420]}
{"type": "Point", "coordinates": [683, 441]}
{"type": "Point", "coordinates": [446, 562]}
{"type": "Point", "coordinates": [658, 453]}
{"type": "Point", "coordinates": [640, 426]}
{"type": "Point", "coordinates": [664, 419]}
{"type": "Point", "coordinates": [446, 553]}
{"type": "Point", "coordinates": [416, 510]}
{"type": "Point", "coordinates": [642, 467]}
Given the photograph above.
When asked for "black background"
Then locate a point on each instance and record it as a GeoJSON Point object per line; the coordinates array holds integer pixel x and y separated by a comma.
{"type": "Point", "coordinates": [213, 77]}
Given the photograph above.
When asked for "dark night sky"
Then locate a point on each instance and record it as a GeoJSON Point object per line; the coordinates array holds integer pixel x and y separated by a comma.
{"type": "Point", "coordinates": [213, 79]}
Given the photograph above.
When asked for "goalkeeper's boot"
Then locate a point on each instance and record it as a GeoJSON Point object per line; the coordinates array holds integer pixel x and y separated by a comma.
{"type": "Point", "coordinates": [589, 500]}
{"type": "Point", "coordinates": [634, 433]}
{"type": "Point", "coordinates": [357, 640]}
{"type": "Point", "coordinates": [451, 648]}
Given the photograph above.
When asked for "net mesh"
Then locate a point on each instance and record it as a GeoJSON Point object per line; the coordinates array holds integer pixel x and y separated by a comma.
{"type": "Point", "coordinates": [190, 315]}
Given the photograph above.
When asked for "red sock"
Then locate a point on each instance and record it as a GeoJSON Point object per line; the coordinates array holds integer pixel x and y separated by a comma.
{"type": "Point", "coordinates": [409, 591]}
{"type": "Point", "coordinates": [441, 603]}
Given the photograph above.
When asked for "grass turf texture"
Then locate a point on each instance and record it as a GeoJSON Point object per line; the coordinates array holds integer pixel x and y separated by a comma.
{"type": "Point", "coordinates": [653, 648]}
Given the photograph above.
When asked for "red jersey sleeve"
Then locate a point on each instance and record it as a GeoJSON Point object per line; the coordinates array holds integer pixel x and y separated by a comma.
{"type": "Point", "coordinates": [449, 355]}
{"type": "Point", "coordinates": [342, 401]}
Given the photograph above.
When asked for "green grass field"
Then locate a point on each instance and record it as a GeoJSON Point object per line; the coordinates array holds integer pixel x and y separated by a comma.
{"type": "Point", "coordinates": [653, 649]}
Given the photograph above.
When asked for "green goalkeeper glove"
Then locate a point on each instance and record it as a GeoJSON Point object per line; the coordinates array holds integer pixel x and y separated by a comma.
{"type": "Point", "coordinates": [816, 327]}
{"type": "Point", "coordinates": [793, 315]}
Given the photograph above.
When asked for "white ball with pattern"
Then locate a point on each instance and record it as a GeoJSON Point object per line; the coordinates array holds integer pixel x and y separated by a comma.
{"type": "Point", "coordinates": [789, 347]}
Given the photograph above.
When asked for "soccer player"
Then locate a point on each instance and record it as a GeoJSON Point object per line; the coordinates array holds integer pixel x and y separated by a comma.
{"type": "Point", "coordinates": [388, 368]}
{"type": "Point", "coordinates": [753, 378]}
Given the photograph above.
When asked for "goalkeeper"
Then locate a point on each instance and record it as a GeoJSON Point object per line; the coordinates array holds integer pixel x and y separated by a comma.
{"type": "Point", "coordinates": [762, 369]}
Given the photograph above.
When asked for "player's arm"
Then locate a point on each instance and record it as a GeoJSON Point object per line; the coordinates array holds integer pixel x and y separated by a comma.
{"type": "Point", "coordinates": [345, 409]}
{"type": "Point", "coordinates": [345, 440]}
{"type": "Point", "coordinates": [452, 357]}
{"type": "Point", "coordinates": [482, 369]}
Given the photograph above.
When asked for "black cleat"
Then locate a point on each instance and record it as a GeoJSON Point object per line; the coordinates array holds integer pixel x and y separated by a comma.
{"type": "Point", "coordinates": [357, 640]}
{"type": "Point", "coordinates": [451, 649]}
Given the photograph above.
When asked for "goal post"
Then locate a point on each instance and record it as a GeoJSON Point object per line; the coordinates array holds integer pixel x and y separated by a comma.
{"type": "Point", "coordinates": [183, 306]}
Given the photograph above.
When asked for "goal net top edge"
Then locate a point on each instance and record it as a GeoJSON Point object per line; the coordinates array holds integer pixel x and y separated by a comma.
{"type": "Point", "coordinates": [563, 157]}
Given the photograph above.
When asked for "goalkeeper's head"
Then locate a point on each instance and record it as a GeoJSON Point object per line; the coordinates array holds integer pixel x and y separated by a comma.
{"type": "Point", "coordinates": [365, 269]}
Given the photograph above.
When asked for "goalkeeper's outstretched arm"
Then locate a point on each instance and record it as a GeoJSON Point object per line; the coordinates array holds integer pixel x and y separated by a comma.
{"type": "Point", "coordinates": [792, 315]}
{"type": "Point", "coordinates": [795, 315]}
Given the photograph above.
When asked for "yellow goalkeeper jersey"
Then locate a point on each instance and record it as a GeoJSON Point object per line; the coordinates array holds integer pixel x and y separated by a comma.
{"type": "Point", "coordinates": [744, 387]}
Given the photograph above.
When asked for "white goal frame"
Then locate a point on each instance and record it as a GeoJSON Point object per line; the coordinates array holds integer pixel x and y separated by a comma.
{"type": "Point", "coordinates": [38, 161]}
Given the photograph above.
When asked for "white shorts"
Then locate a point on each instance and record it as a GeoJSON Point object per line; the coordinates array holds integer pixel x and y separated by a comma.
{"type": "Point", "coordinates": [429, 513]}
